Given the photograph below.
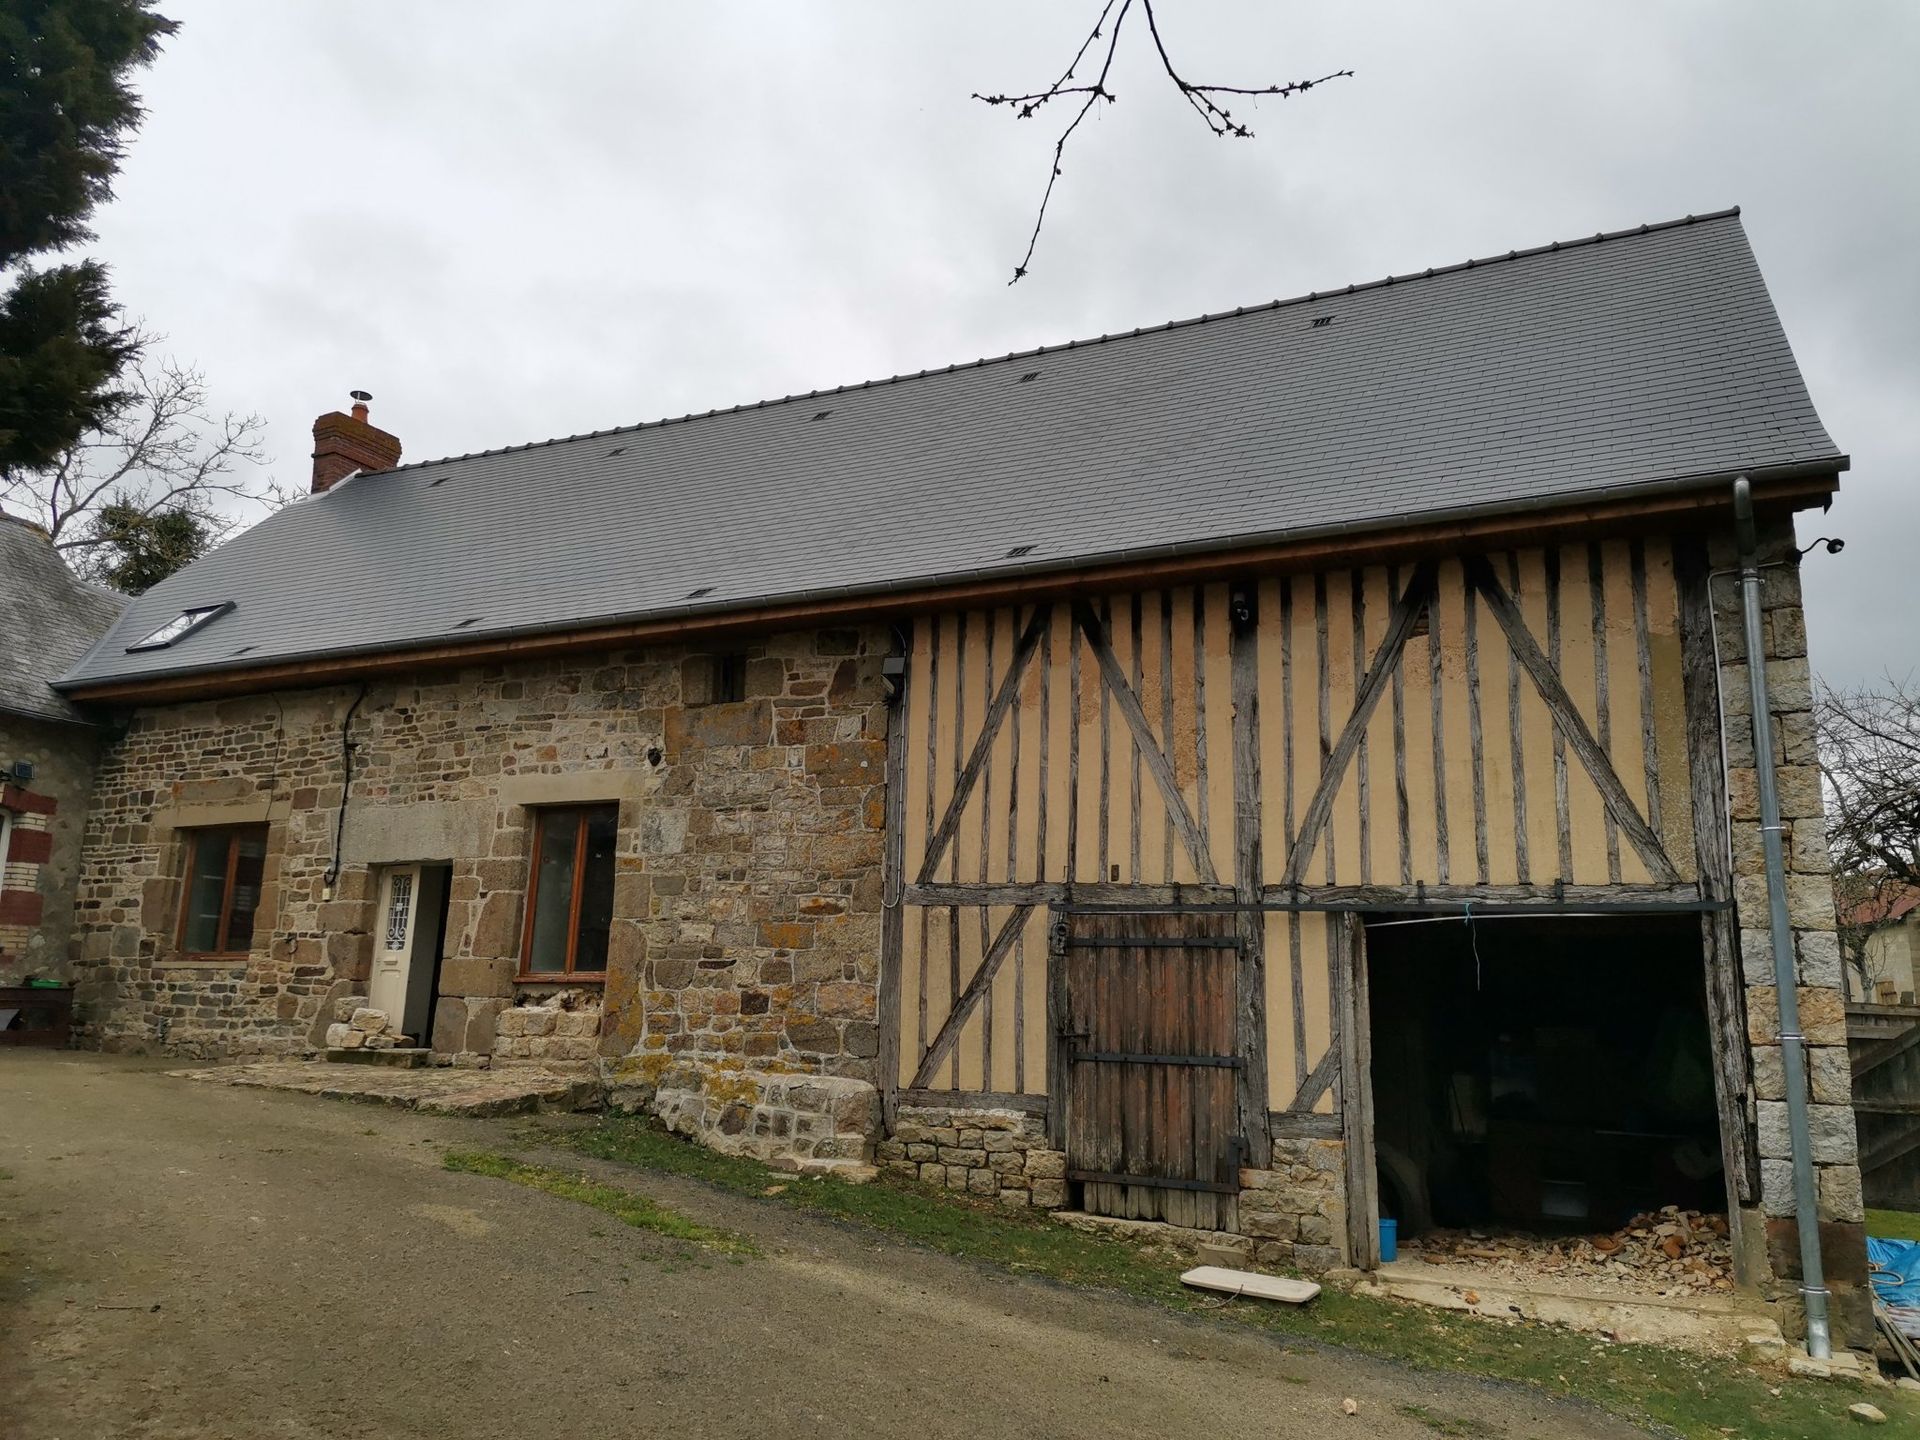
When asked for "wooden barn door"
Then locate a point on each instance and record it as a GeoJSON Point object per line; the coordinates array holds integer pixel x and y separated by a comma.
{"type": "Point", "coordinates": [1149, 1065]}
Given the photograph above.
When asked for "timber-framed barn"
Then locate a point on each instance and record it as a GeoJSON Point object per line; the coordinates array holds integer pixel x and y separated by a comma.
{"type": "Point", "coordinates": [1268, 774]}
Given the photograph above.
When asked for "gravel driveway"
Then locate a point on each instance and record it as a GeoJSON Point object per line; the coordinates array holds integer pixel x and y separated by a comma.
{"type": "Point", "coordinates": [191, 1260]}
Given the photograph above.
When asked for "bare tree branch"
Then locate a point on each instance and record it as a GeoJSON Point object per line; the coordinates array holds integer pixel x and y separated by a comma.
{"type": "Point", "coordinates": [1201, 98]}
{"type": "Point", "coordinates": [1870, 762]}
{"type": "Point", "coordinates": [166, 450]}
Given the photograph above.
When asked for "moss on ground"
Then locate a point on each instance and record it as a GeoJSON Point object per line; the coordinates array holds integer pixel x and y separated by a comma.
{"type": "Point", "coordinates": [1692, 1395]}
{"type": "Point", "coordinates": [625, 1206]}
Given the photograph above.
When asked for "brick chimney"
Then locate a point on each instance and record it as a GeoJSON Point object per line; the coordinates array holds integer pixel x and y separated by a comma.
{"type": "Point", "coordinates": [343, 444]}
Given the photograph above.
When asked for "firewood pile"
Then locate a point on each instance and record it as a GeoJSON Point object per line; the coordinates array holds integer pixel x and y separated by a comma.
{"type": "Point", "coordinates": [1667, 1252]}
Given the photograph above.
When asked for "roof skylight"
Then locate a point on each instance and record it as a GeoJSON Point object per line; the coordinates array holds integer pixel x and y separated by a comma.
{"type": "Point", "coordinates": [181, 626]}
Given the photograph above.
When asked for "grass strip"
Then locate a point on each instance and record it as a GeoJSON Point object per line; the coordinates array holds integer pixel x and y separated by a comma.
{"type": "Point", "coordinates": [625, 1206]}
{"type": "Point", "coordinates": [1893, 1224]}
{"type": "Point", "coordinates": [1694, 1396]}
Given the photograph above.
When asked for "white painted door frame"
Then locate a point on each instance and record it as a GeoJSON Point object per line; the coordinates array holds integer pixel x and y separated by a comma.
{"type": "Point", "coordinates": [395, 923]}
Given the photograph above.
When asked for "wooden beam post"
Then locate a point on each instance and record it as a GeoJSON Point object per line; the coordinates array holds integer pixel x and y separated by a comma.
{"type": "Point", "coordinates": [1355, 1043]}
{"type": "Point", "coordinates": [1726, 996]}
{"type": "Point", "coordinates": [963, 1008]}
{"type": "Point", "coordinates": [1251, 1022]}
{"type": "Point", "coordinates": [893, 885]}
{"type": "Point", "coordinates": [1568, 723]}
{"type": "Point", "coordinates": [1146, 745]}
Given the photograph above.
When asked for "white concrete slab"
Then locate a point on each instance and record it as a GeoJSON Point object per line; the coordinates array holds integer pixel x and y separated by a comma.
{"type": "Point", "coordinates": [1245, 1282]}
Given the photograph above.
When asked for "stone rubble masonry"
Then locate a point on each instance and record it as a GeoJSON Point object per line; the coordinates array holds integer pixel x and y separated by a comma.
{"type": "Point", "coordinates": [827, 1120]}
{"type": "Point", "coordinates": [747, 902]}
{"type": "Point", "coordinates": [364, 1028]}
{"type": "Point", "coordinates": [1296, 1209]}
{"type": "Point", "coordinates": [560, 1027]}
{"type": "Point", "coordinates": [1810, 911]}
{"type": "Point", "coordinates": [1292, 1215]}
{"type": "Point", "coordinates": [996, 1154]}
{"type": "Point", "coordinates": [42, 866]}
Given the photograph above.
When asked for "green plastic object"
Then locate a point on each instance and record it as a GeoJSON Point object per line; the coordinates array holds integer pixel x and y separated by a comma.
{"type": "Point", "coordinates": [46, 984]}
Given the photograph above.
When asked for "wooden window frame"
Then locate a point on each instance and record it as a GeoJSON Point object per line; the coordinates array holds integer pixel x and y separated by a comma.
{"type": "Point", "coordinates": [567, 976]}
{"type": "Point", "coordinates": [730, 677]}
{"type": "Point", "coordinates": [234, 834]}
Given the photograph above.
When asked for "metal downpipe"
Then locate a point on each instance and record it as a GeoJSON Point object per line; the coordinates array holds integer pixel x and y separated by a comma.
{"type": "Point", "coordinates": [1793, 1058]}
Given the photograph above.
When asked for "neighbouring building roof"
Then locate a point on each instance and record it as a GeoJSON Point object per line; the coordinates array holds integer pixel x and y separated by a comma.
{"type": "Point", "coordinates": [48, 618]}
{"type": "Point", "coordinates": [1643, 358]}
{"type": "Point", "coordinates": [1885, 905]}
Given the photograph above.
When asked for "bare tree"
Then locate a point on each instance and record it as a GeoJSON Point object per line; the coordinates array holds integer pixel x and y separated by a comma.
{"type": "Point", "coordinates": [1209, 102]}
{"type": "Point", "coordinates": [165, 452]}
{"type": "Point", "coordinates": [1870, 759]}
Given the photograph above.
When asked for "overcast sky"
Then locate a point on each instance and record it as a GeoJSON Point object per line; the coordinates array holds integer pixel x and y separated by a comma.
{"type": "Point", "coordinates": [514, 221]}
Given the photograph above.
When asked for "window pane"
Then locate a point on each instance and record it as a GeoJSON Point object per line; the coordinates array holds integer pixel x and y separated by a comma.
{"type": "Point", "coordinates": [247, 871]}
{"type": "Point", "coordinates": [596, 888]}
{"type": "Point", "coordinates": [553, 891]}
{"type": "Point", "coordinates": [206, 889]}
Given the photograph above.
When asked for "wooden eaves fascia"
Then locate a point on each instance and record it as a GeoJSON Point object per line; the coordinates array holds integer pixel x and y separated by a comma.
{"type": "Point", "coordinates": [1404, 542]}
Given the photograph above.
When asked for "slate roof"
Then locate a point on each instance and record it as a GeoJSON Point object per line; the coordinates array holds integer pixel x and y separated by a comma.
{"type": "Point", "coordinates": [48, 618]}
{"type": "Point", "coordinates": [1559, 374]}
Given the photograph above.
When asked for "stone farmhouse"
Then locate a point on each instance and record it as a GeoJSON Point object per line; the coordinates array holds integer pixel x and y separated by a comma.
{"type": "Point", "coordinates": [1267, 773]}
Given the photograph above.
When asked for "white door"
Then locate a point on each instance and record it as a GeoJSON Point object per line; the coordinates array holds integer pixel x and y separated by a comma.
{"type": "Point", "coordinates": [393, 942]}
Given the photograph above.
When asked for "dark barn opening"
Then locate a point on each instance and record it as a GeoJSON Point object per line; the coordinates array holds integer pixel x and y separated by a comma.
{"type": "Point", "coordinates": [1545, 1075]}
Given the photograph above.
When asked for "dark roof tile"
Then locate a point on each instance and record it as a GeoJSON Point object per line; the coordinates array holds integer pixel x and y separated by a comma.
{"type": "Point", "coordinates": [1555, 374]}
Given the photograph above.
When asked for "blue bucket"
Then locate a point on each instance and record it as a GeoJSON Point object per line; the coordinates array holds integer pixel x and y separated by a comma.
{"type": "Point", "coordinates": [1389, 1241]}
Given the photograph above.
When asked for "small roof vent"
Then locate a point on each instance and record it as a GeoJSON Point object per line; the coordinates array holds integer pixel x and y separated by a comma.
{"type": "Point", "coordinates": [696, 594]}
{"type": "Point", "coordinates": [1017, 551]}
{"type": "Point", "coordinates": [1321, 322]}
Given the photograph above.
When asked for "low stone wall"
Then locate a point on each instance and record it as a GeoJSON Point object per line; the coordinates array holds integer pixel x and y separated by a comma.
{"type": "Point", "coordinates": [792, 1119]}
{"type": "Point", "coordinates": [561, 1026]}
{"type": "Point", "coordinates": [1296, 1211]}
{"type": "Point", "coordinates": [1292, 1216]}
{"type": "Point", "coordinates": [997, 1154]}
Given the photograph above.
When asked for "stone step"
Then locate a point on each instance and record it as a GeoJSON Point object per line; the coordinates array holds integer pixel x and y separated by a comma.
{"type": "Point", "coordinates": [1706, 1323]}
{"type": "Point", "coordinates": [411, 1057]}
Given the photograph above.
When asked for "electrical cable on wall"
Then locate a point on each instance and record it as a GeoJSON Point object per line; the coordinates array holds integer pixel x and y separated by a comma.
{"type": "Point", "coordinates": [346, 785]}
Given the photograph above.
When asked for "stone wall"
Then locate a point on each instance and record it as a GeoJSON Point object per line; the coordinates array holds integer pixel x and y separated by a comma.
{"type": "Point", "coordinates": [815, 1123]}
{"type": "Point", "coordinates": [1296, 1209]}
{"type": "Point", "coordinates": [996, 1154]}
{"type": "Point", "coordinates": [560, 1026]}
{"type": "Point", "coordinates": [1811, 912]}
{"type": "Point", "coordinates": [747, 895]}
{"type": "Point", "coordinates": [41, 868]}
{"type": "Point", "coordinates": [1291, 1216]}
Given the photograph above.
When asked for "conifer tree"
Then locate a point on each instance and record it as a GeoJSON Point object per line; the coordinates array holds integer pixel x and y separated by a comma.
{"type": "Point", "coordinates": [66, 112]}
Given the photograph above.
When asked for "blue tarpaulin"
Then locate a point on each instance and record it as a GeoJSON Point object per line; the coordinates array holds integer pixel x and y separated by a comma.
{"type": "Point", "coordinates": [1895, 1266]}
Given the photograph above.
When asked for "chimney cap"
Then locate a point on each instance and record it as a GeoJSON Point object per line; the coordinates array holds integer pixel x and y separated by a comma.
{"type": "Point", "coordinates": [362, 396]}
